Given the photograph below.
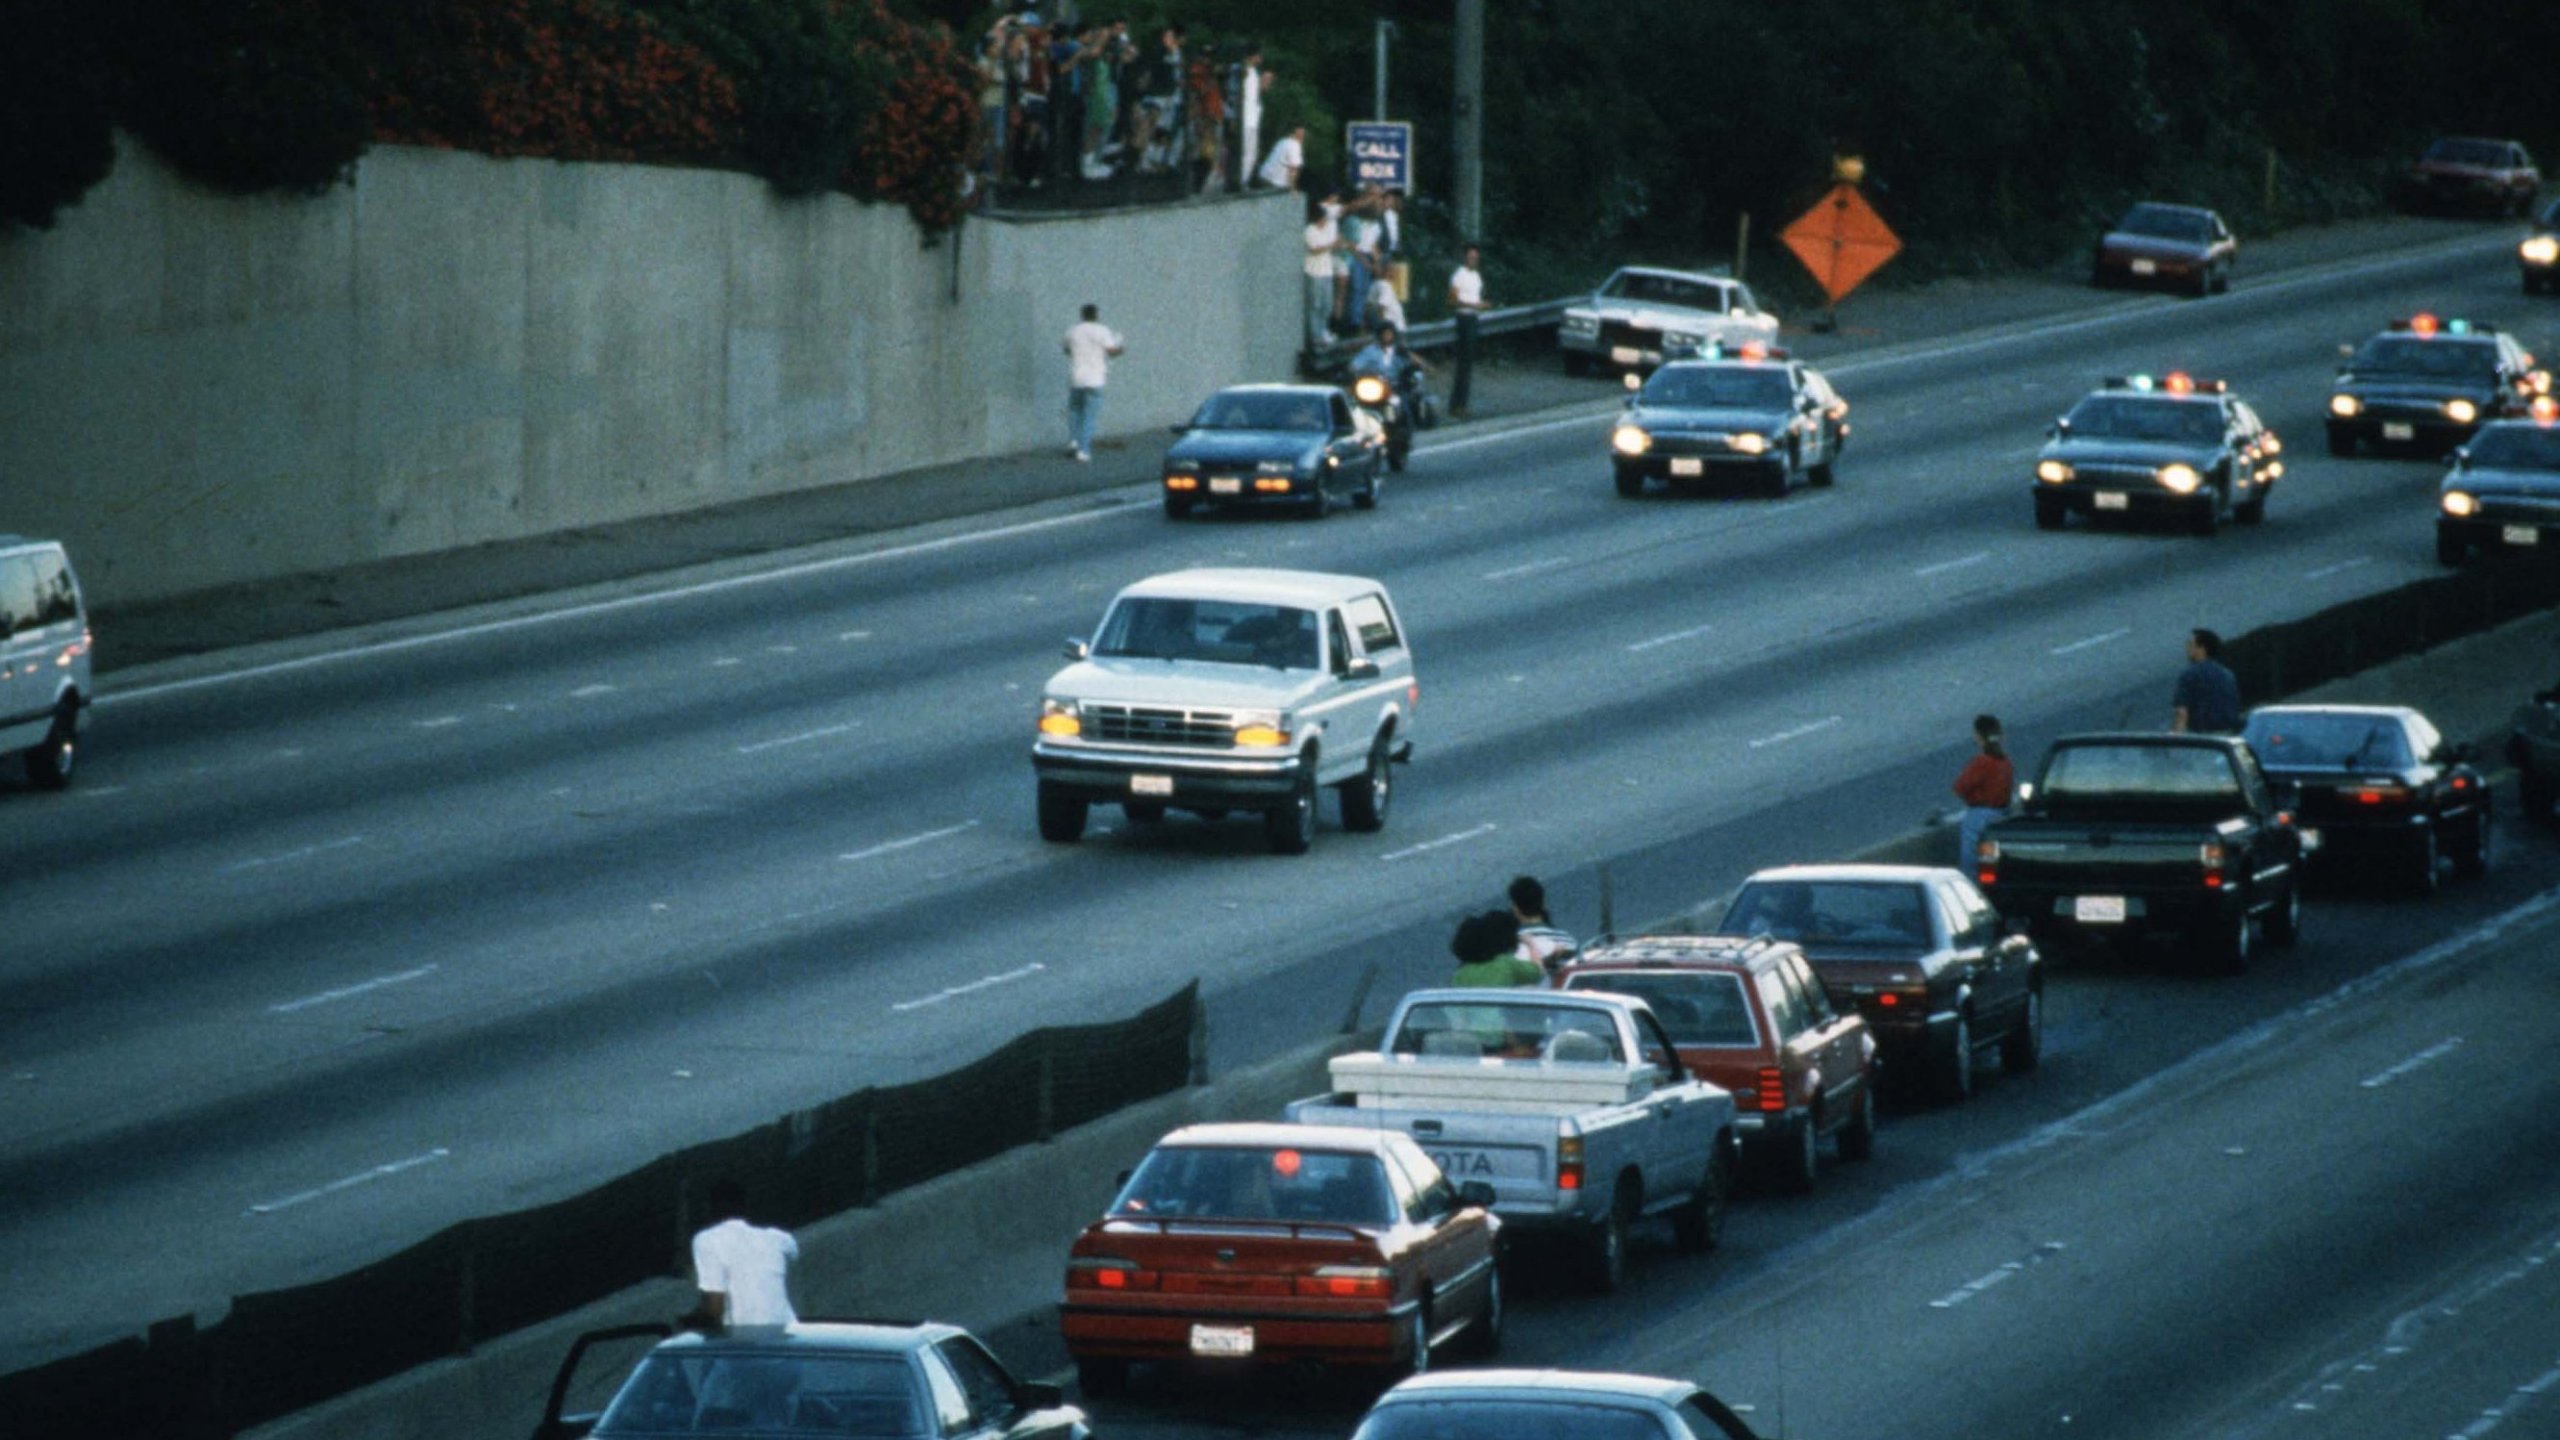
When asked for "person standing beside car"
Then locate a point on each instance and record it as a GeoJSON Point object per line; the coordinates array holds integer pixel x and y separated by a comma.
{"type": "Point", "coordinates": [1986, 785]}
{"type": "Point", "coordinates": [2207, 698]}
{"type": "Point", "coordinates": [743, 1270]}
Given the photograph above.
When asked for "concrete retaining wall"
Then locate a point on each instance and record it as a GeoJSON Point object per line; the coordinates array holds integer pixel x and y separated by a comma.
{"type": "Point", "coordinates": [197, 390]}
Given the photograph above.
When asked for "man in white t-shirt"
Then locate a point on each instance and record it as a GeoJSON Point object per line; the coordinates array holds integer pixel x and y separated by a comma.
{"type": "Point", "coordinates": [1466, 304]}
{"type": "Point", "coordinates": [1288, 157]}
{"type": "Point", "coordinates": [1323, 240]}
{"type": "Point", "coordinates": [1090, 344]}
{"type": "Point", "coordinates": [743, 1270]}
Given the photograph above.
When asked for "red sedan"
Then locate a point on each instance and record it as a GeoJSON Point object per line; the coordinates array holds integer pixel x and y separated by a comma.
{"type": "Point", "coordinates": [2177, 247]}
{"type": "Point", "coordinates": [1278, 1243]}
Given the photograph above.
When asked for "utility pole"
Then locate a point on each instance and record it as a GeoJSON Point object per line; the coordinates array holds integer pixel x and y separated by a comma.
{"type": "Point", "coordinates": [1378, 90]}
{"type": "Point", "coordinates": [1469, 89]}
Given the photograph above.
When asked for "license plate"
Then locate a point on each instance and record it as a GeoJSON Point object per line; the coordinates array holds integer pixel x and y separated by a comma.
{"type": "Point", "coordinates": [2520, 535]}
{"type": "Point", "coordinates": [1221, 1339]}
{"type": "Point", "coordinates": [1688, 467]}
{"type": "Point", "coordinates": [2110, 500]}
{"type": "Point", "coordinates": [1224, 485]}
{"type": "Point", "coordinates": [1625, 354]}
{"type": "Point", "coordinates": [2146, 267]}
{"type": "Point", "coordinates": [1150, 784]}
{"type": "Point", "coordinates": [2098, 909]}
{"type": "Point", "coordinates": [2399, 430]}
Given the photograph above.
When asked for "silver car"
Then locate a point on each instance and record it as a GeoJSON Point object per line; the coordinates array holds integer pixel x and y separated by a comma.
{"type": "Point", "coordinates": [44, 659]}
{"type": "Point", "coordinates": [1643, 316]}
{"type": "Point", "coordinates": [1579, 1403]}
{"type": "Point", "coordinates": [1214, 691]}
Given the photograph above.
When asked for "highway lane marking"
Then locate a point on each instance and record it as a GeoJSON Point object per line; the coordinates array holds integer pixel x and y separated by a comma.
{"type": "Point", "coordinates": [589, 692]}
{"type": "Point", "coordinates": [437, 723]}
{"type": "Point", "coordinates": [1943, 566]}
{"type": "Point", "coordinates": [259, 862]}
{"type": "Point", "coordinates": [2497, 1415]}
{"type": "Point", "coordinates": [1971, 1288]}
{"type": "Point", "coordinates": [2325, 571]}
{"type": "Point", "coordinates": [1532, 568]}
{"type": "Point", "coordinates": [887, 847]}
{"type": "Point", "coordinates": [1444, 842]}
{"type": "Point", "coordinates": [850, 636]}
{"type": "Point", "coordinates": [2413, 1328]}
{"type": "Point", "coordinates": [2414, 1063]}
{"type": "Point", "coordinates": [1798, 733]}
{"type": "Point", "coordinates": [954, 992]}
{"type": "Point", "coordinates": [362, 1177]}
{"type": "Point", "coordinates": [2092, 642]}
{"type": "Point", "coordinates": [801, 739]}
{"type": "Point", "coordinates": [349, 992]}
{"type": "Point", "coordinates": [1674, 638]}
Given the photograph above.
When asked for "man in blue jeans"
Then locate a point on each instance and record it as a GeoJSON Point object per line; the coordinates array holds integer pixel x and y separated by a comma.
{"type": "Point", "coordinates": [1090, 344]}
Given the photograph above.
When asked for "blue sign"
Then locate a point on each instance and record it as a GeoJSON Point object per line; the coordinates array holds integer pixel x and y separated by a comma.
{"type": "Point", "coordinates": [1381, 154]}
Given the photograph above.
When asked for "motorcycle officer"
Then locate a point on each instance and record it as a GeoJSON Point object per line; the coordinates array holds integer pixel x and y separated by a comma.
{"type": "Point", "coordinates": [1387, 358]}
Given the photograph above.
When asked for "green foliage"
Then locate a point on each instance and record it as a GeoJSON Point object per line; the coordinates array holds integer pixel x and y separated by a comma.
{"type": "Point", "coordinates": [55, 140]}
{"type": "Point", "coordinates": [805, 76]}
{"type": "Point", "coordinates": [244, 95]}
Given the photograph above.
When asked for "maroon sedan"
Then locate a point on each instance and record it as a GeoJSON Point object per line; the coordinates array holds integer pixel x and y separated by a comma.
{"type": "Point", "coordinates": [2466, 173]}
{"type": "Point", "coordinates": [2177, 247]}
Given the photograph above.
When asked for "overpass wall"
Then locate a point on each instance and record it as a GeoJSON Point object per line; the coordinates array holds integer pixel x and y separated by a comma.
{"type": "Point", "coordinates": [199, 389]}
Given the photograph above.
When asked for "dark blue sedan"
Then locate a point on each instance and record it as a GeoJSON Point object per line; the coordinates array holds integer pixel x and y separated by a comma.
{"type": "Point", "coordinates": [1300, 447]}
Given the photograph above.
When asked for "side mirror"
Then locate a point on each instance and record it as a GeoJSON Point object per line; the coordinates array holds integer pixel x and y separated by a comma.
{"type": "Point", "coordinates": [2460, 459]}
{"type": "Point", "coordinates": [1078, 649]}
{"type": "Point", "coordinates": [1632, 381]}
{"type": "Point", "coordinates": [1122, 1182]}
{"type": "Point", "coordinates": [2061, 426]}
{"type": "Point", "coordinates": [1035, 1395]}
{"type": "Point", "coordinates": [1362, 669]}
{"type": "Point", "coordinates": [1476, 1193]}
{"type": "Point", "coordinates": [2346, 352]}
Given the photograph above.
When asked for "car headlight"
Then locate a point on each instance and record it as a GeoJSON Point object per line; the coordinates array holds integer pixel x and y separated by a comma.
{"type": "Point", "coordinates": [2181, 479]}
{"type": "Point", "coordinates": [2345, 405]}
{"type": "Point", "coordinates": [1628, 440]}
{"type": "Point", "coordinates": [2052, 472]}
{"type": "Point", "coordinates": [1369, 390]}
{"type": "Point", "coordinates": [2460, 411]}
{"type": "Point", "coordinates": [2271, 445]}
{"type": "Point", "coordinates": [1749, 443]}
{"type": "Point", "coordinates": [1579, 323]}
{"type": "Point", "coordinates": [2540, 250]}
{"type": "Point", "coordinates": [1061, 718]}
{"type": "Point", "coordinates": [1262, 730]}
{"type": "Point", "coordinates": [2460, 504]}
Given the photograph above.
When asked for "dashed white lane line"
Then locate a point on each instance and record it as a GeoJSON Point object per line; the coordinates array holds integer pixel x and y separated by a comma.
{"type": "Point", "coordinates": [2091, 643]}
{"type": "Point", "coordinates": [850, 636]}
{"type": "Point", "coordinates": [379, 1172]}
{"type": "Point", "coordinates": [887, 847]}
{"type": "Point", "coordinates": [2413, 1064]}
{"type": "Point", "coordinates": [2325, 571]}
{"type": "Point", "coordinates": [260, 862]}
{"type": "Point", "coordinates": [589, 692]}
{"type": "Point", "coordinates": [1959, 563]}
{"type": "Point", "coordinates": [1971, 1288]}
{"type": "Point", "coordinates": [1674, 638]}
{"type": "Point", "coordinates": [1443, 843]}
{"type": "Point", "coordinates": [349, 992]}
{"type": "Point", "coordinates": [438, 723]}
{"type": "Point", "coordinates": [804, 738]}
{"type": "Point", "coordinates": [1808, 728]}
{"type": "Point", "coordinates": [987, 982]}
{"type": "Point", "coordinates": [1532, 568]}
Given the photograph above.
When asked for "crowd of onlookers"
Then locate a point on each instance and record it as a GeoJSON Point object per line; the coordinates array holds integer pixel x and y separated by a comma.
{"type": "Point", "coordinates": [1065, 100]}
{"type": "Point", "coordinates": [1353, 249]}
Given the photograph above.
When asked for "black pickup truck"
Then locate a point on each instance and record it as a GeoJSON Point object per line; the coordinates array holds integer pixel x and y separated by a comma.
{"type": "Point", "coordinates": [2145, 834]}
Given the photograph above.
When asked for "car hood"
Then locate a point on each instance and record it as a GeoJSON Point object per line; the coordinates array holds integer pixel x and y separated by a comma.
{"type": "Point", "coordinates": [2486, 480]}
{"type": "Point", "coordinates": [2149, 453]}
{"type": "Point", "coordinates": [2370, 385]}
{"type": "Point", "coordinates": [1670, 420]}
{"type": "Point", "coordinates": [1122, 680]}
{"type": "Point", "coordinates": [1231, 447]}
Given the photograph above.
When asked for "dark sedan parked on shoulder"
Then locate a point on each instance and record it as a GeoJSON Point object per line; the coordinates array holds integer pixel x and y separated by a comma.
{"type": "Point", "coordinates": [2503, 492]}
{"type": "Point", "coordinates": [2377, 781]}
{"type": "Point", "coordinates": [2459, 172]}
{"type": "Point", "coordinates": [2178, 447]}
{"type": "Point", "coordinates": [1300, 447]}
{"type": "Point", "coordinates": [2183, 247]}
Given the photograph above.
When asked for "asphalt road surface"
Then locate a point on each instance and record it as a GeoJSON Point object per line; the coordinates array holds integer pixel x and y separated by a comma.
{"type": "Point", "coordinates": [325, 955]}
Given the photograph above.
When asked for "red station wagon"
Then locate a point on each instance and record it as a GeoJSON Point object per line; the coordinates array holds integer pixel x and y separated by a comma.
{"type": "Point", "coordinates": [1751, 1016]}
{"type": "Point", "coordinates": [1282, 1243]}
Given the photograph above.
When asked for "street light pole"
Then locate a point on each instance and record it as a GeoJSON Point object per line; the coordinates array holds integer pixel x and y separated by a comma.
{"type": "Point", "coordinates": [1378, 90]}
{"type": "Point", "coordinates": [1469, 90]}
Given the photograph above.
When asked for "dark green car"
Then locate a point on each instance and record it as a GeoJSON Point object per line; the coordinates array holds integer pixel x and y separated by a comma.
{"type": "Point", "coordinates": [2172, 448]}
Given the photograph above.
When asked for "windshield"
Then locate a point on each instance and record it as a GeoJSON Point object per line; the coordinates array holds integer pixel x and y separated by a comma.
{"type": "Point", "coordinates": [1717, 387]}
{"type": "Point", "coordinates": [1886, 914]}
{"type": "Point", "coordinates": [1261, 410]}
{"type": "Point", "coordinates": [2437, 359]}
{"type": "Point", "coordinates": [2487, 154]}
{"type": "Point", "coordinates": [1221, 632]}
{"type": "Point", "coordinates": [2166, 222]}
{"type": "Point", "coordinates": [1664, 290]}
{"type": "Point", "coordinates": [2517, 447]}
{"type": "Point", "coordinates": [2148, 772]}
{"type": "Point", "coordinates": [2131, 417]}
{"type": "Point", "coordinates": [2308, 740]}
{"type": "Point", "coordinates": [1254, 1183]}
{"type": "Point", "coordinates": [1505, 1420]}
{"type": "Point", "coordinates": [1696, 1007]}
{"type": "Point", "coordinates": [725, 1393]}
{"type": "Point", "coordinates": [1510, 1030]}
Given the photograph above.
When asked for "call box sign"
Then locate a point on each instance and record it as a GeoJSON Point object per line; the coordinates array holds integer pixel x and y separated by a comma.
{"type": "Point", "coordinates": [1381, 154]}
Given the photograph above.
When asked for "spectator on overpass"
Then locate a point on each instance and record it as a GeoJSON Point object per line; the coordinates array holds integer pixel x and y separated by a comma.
{"type": "Point", "coordinates": [1251, 81]}
{"type": "Point", "coordinates": [742, 1269]}
{"type": "Point", "coordinates": [1323, 236]}
{"type": "Point", "coordinates": [1466, 303]}
{"type": "Point", "coordinates": [1288, 157]}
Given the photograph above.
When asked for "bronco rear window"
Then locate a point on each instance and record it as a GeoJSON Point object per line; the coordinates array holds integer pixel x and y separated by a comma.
{"type": "Point", "coordinates": [1256, 1183]}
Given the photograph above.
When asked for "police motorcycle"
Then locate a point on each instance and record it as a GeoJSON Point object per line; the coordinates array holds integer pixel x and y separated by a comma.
{"type": "Point", "coordinates": [1396, 395]}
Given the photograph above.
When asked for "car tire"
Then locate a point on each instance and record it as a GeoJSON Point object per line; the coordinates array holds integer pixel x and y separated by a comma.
{"type": "Point", "coordinates": [1102, 1378]}
{"type": "Point", "coordinates": [1955, 1072]}
{"type": "Point", "coordinates": [54, 760]}
{"type": "Point", "coordinates": [1797, 1163]}
{"type": "Point", "coordinates": [2208, 521]}
{"type": "Point", "coordinates": [1061, 819]}
{"type": "Point", "coordinates": [1365, 797]}
{"type": "Point", "coordinates": [2228, 947]}
{"type": "Point", "coordinates": [1773, 485]}
{"type": "Point", "coordinates": [2451, 550]}
{"type": "Point", "coordinates": [1176, 509]}
{"type": "Point", "coordinates": [1820, 476]}
{"type": "Point", "coordinates": [2425, 875]}
{"type": "Point", "coordinates": [1366, 497]}
{"type": "Point", "coordinates": [2204, 282]}
{"type": "Point", "coordinates": [1858, 1137]}
{"type": "Point", "coordinates": [1605, 1266]}
{"type": "Point", "coordinates": [1417, 1341]}
{"type": "Point", "coordinates": [2252, 511]}
{"type": "Point", "coordinates": [2222, 280]}
{"type": "Point", "coordinates": [1143, 812]}
{"type": "Point", "coordinates": [1321, 505]}
{"type": "Point", "coordinates": [1399, 449]}
{"type": "Point", "coordinates": [2050, 512]}
{"type": "Point", "coordinates": [2342, 443]}
{"type": "Point", "coordinates": [2536, 793]}
{"type": "Point", "coordinates": [1291, 829]}
{"type": "Point", "coordinates": [2472, 860]}
{"type": "Point", "coordinates": [1698, 1226]}
{"type": "Point", "coordinates": [1630, 482]}
{"type": "Point", "coordinates": [2284, 923]}
{"type": "Point", "coordinates": [2022, 1049]}
{"type": "Point", "coordinates": [1484, 1338]}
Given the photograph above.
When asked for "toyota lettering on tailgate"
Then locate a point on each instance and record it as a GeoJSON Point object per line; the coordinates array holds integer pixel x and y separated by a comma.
{"type": "Point", "coordinates": [1463, 1164]}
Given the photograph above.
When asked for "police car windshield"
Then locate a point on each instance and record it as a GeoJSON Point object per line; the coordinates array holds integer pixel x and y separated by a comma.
{"type": "Point", "coordinates": [1263, 412]}
{"type": "Point", "coordinates": [1220, 632]}
{"type": "Point", "coordinates": [2128, 417]}
{"type": "Point", "coordinates": [2312, 741]}
{"type": "Point", "coordinates": [2487, 153]}
{"type": "Point", "coordinates": [1717, 387]}
{"type": "Point", "coordinates": [2437, 358]}
{"type": "Point", "coordinates": [2164, 222]}
{"type": "Point", "coordinates": [1254, 1183]}
{"type": "Point", "coordinates": [1664, 290]}
{"type": "Point", "coordinates": [2517, 447]}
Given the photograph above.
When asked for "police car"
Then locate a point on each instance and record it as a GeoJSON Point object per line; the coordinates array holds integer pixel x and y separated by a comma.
{"type": "Point", "coordinates": [2504, 490]}
{"type": "Point", "coordinates": [2429, 383]}
{"type": "Point", "coordinates": [2171, 446]}
{"type": "Point", "coordinates": [1753, 414]}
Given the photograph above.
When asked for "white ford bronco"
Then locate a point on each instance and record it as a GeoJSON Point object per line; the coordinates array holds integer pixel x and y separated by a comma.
{"type": "Point", "coordinates": [1220, 690]}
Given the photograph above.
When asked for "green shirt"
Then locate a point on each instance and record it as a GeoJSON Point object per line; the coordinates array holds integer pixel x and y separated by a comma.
{"type": "Point", "coordinates": [1508, 971]}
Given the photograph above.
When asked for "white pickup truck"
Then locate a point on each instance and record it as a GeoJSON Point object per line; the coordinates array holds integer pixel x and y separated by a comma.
{"type": "Point", "coordinates": [1574, 1107]}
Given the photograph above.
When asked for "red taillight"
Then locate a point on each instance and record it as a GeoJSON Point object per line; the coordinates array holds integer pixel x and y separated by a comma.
{"type": "Point", "coordinates": [1348, 1282]}
{"type": "Point", "coordinates": [1771, 1093]}
{"type": "Point", "coordinates": [1107, 1274]}
{"type": "Point", "coordinates": [1986, 862]}
{"type": "Point", "coordinates": [2211, 856]}
{"type": "Point", "coordinates": [2381, 795]}
{"type": "Point", "coordinates": [1888, 999]}
{"type": "Point", "coordinates": [2461, 782]}
{"type": "Point", "coordinates": [1569, 1162]}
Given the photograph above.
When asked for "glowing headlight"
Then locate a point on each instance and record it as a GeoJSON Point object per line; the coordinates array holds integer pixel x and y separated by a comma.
{"type": "Point", "coordinates": [1060, 718]}
{"type": "Point", "coordinates": [2273, 446]}
{"type": "Point", "coordinates": [2540, 250]}
{"type": "Point", "coordinates": [2344, 405]}
{"type": "Point", "coordinates": [2461, 412]}
{"type": "Point", "coordinates": [2052, 472]}
{"type": "Point", "coordinates": [1264, 730]}
{"type": "Point", "coordinates": [1628, 440]}
{"type": "Point", "coordinates": [2182, 479]}
{"type": "Point", "coordinates": [1749, 444]}
{"type": "Point", "coordinates": [2460, 504]}
{"type": "Point", "coordinates": [1369, 390]}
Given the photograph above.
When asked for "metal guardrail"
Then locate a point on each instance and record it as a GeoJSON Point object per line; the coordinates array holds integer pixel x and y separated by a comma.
{"type": "Point", "coordinates": [1441, 334]}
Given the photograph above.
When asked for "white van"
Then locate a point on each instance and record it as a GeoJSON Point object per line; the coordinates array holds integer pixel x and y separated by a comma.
{"type": "Point", "coordinates": [44, 659]}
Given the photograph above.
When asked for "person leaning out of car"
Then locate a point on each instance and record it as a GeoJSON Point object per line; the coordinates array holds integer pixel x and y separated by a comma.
{"type": "Point", "coordinates": [1488, 951]}
{"type": "Point", "coordinates": [1986, 785]}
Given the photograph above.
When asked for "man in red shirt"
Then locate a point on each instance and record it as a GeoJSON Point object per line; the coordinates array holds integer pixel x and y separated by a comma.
{"type": "Point", "coordinates": [1985, 786]}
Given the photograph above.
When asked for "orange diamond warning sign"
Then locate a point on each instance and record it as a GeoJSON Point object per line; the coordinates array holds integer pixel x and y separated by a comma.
{"type": "Point", "coordinates": [1842, 241]}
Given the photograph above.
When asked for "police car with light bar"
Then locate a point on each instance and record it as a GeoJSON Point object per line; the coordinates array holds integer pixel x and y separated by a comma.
{"type": "Point", "coordinates": [2429, 383]}
{"type": "Point", "coordinates": [1752, 413]}
{"type": "Point", "coordinates": [2503, 492]}
{"type": "Point", "coordinates": [2146, 446]}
